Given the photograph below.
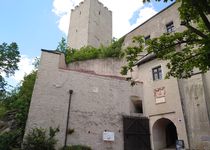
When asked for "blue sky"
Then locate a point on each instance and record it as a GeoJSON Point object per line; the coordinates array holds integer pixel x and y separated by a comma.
{"type": "Point", "coordinates": [30, 23]}
{"type": "Point", "coordinates": [40, 24]}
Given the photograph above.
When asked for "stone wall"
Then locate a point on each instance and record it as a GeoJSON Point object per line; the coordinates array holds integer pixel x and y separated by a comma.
{"type": "Point", "coordinates": [108, 66]}
{"type": "Point", "coordinates": [98, 103]}
{"type": "Point", "coordinates": [195, 97]}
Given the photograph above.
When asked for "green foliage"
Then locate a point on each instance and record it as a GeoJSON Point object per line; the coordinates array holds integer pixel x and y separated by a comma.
{"type": "Point", "coordinates": [36, 63]}
{"type": "Point", "coordinates": [38, 139]}
{"type": "Point", "coordinates": [89, 52]}
{"type": "Point", "coordinates": [17, 102]}
{"type": "Point", "coordinates": [9, 140]}
{"type": "Point", "coordinates": [20, 101]}
{"type": "Point", "coordinates": [62, 46]}
{"type": "Point", "coordinates": [131, 54]}
{"type": "Point", "coordinates": [114, 50]}
{"type": "Point", "coordinates": [2, 110]}
{"type": "Point", "coordinates": [9, 57]}
{"type": "Point", "coordinates": [184, 51]}
{"type": "Point", "coordinates": [77, 147]}
{"type": "Point", "coordinates": [84, 53]}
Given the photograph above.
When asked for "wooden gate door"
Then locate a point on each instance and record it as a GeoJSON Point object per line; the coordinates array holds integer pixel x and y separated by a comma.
{"type": "Point", "coordinates": [136, 133]}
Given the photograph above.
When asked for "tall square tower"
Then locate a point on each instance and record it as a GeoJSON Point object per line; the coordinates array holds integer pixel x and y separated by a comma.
{"type": "Point", "coordinates": [90, 24]}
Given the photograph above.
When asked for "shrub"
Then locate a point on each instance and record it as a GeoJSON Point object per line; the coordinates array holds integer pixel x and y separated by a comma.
{"type": "Point", "coordinates": [8, 140]}
{"type": "Point", "coordinates": [37, 139]}
{"type": "Point", "coordinates": [89, 52]}
{"type": "Point", "coordinates": [2, 110]}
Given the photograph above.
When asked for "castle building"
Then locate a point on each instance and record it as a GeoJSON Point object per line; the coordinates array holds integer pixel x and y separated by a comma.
{"type": "Point", "coordinates": [90, 24]}
{"type": "Point", "coordinates": [106, 113]}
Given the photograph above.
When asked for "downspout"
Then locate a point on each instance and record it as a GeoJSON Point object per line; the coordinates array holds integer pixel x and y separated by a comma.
{"type": "Point", "coordinates": [67, 119]}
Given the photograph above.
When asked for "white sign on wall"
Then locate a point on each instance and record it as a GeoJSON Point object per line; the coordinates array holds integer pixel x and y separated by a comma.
{"type": "Point", "coordinates": [160, 100]}
{"type": "Point", "coordinates": [108, 136]}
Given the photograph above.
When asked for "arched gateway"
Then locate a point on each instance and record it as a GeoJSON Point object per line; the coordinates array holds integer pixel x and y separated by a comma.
{"type": "Point", "coordinates": [164, 134]}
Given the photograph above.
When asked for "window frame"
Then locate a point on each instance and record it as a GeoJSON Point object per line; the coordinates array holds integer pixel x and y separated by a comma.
{"type": "Point", "coordinates": [170, 27]}
{"type": "Point", "coordinates": [157, 71]}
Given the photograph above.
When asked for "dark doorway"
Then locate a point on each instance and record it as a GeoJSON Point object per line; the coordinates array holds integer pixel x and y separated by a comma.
{"type": "Point", "coordinates": [136, 133]}
{"type": "Point", "coordinates": [171, 135]}
{"type": "Point", "coordinates": [164, 134]}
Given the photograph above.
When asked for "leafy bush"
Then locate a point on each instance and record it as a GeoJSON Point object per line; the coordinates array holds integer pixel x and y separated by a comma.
{"type": "Point", "coordinates": [84, 53]}
{"type": "Point", "coordinates": [9, 140]}
{"type": "Point", "coordinates": [114, 50]}
{"type": "Point", "coordinates": [37, 139]}
{"type": "Point", "coordinates": [77, 147]}
{"type": "Point", "coordinates": [2, 110]}
{"type": "Point", "coordinates": [89, 52]}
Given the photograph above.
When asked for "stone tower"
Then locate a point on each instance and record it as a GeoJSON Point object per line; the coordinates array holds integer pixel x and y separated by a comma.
{"type": "Point", "coordinates": [90, 24]}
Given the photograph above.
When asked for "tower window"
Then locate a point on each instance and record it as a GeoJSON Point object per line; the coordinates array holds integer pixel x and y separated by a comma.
{"type": "Point", "coordinates": [99, 12]}
{"type": "Point", "coordinates": [157, 73]}
{"type": "Point", "coordinates": [80, 12]}
{"type": "Point", "coordinates": [170, 27]}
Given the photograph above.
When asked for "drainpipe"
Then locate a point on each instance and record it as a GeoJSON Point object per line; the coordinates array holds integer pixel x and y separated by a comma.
{"type": "Point", "coordinates": [67, 119]}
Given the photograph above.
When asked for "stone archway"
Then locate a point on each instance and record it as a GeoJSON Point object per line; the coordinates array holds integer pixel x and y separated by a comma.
{"type": "Point", "coordinates": [164, 134]}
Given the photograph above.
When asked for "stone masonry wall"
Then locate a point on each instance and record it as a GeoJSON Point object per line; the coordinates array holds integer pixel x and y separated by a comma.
{"type": "Point", "coordinates": [98, 103]}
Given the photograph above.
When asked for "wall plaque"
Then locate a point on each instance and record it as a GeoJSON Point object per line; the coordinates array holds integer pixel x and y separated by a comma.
{"type": "Point", "coordinates": [108, 136]}
{"type": "Point", "coordinates": [159, 94]}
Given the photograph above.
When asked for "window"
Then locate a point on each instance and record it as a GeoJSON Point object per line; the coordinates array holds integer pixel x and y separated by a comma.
{"type": "Point", "coordinates": [136, 105]}
{"type": "Point", "coordinates": [157, 73]}
{"type": "Point", "coordinates": [147, 37]}
{"type": "Point", "coordinates": [170, 27]}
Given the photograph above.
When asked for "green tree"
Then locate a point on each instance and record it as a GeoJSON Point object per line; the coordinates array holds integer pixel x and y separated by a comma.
{"type": "Point", "coordinates": [62, 46]}
{"type": "Point", "coordinates": [9, 57]}
{"type": "Point", "coordinates": [195, 42]}
{"type": "Point", "coordinates": [17, 104]}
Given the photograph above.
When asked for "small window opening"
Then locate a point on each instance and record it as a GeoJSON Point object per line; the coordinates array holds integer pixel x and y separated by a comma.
{"type": "Point", "coordinates": [99, 12]}
{"type": "Point", "coordinates": [76, 30]}
{"type": "Point", "coordinates": [157, 73]}
{"type": "Point", "coordinates": [137, 104]}
{"type": "Point", "coordinates": [138, 107]}
{"type": "Point", "coordinates": [147, 37]}
{"type": "Point", "coordinates": [170, 27]}
{"type": "Point", "coordinates": [80, 12]}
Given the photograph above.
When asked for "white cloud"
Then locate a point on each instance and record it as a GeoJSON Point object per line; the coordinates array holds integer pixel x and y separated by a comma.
{"type": "Point", "coordinates": [122, 11]}
{"type": "Point", "coordinates": [62, 8]}
{"type": "Point", "coordinates": [144, 14]}
{"type": "Point", "coordinates": [25, 67]}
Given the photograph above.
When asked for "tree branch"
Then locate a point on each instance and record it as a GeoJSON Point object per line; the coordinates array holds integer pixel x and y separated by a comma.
{"type": "Point", "coordinates": [182, 42]}
{"type": "Point", "coordinates": [196, 31]}
{"type": "Point", "coordinates": [201, 12]}
{"type": "Point", "coordinates": [205, 5]}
